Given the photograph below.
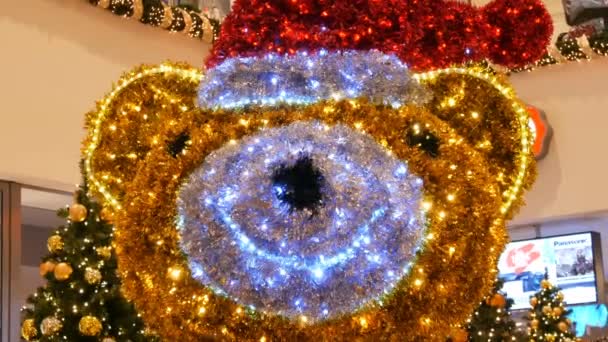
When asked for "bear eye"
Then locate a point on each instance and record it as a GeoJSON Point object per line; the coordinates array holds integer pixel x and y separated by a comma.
{"type": "Point", "coordinates": [178, 144]}
{"type": "Point", "coordinates": [423, 139]}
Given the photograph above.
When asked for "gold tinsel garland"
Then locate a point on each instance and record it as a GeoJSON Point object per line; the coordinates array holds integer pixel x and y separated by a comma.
{"type": "Point", "coordinates": [482, 109]}
{"type": "Point", "coordinates": [128, 164]}
{"type": "Point", "coordinates": [143, 100]}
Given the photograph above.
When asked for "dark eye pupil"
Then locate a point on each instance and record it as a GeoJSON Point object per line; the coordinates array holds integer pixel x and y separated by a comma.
{"type": "Point", "coordinates": [424, 140]}
{"type": "Point", "coordinates": [178, 145]}
{"type": "Point", "coordinates": [300, 185]}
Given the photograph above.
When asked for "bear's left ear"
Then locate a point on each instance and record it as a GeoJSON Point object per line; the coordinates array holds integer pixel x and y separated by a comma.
{"type": "Point", "coordinates": [132, 120]}
{"type": "Point", "coordinates": [484, 110]}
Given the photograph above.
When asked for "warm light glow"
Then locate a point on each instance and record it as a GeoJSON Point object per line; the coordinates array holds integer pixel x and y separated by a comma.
{"type": "Point", "coordinates": [187, 73]}
{"type": "Point", "coordinates": [524, 161]}
{"type": "Point", "coordinates": [175, 273]}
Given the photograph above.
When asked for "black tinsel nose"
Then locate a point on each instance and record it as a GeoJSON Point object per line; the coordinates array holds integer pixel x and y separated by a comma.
{"type": "Point", "coordinates": [300, 186]}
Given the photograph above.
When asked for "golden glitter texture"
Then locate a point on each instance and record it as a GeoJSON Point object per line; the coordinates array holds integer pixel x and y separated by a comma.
{"type": "Point", "coordinates": [77, 212]}
{"type": "Point", "coordinates": [483, 109]}
{"type": "Point", "coordinates": [107, 215]}
{"type": "Point", "coordinates": [92, 276]}
{"type": "Point", "coordinates": [28, 330]}
{"type": "Point", "coordinates": [63, 271]}
{"type": "Point", "coordinates": [126, 122]}
{"type": "Point", "coordinates": [104, 252]}
{"type": "Point", "coordinates": [50, 326]}
{"type": "Point", "coordinates": [54, 244]}
{"type": "Point", "coordinates": [89, 326]}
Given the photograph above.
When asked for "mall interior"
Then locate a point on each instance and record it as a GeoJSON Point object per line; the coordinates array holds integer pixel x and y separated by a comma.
{"type": "Point", "coordinates": [60, 57]}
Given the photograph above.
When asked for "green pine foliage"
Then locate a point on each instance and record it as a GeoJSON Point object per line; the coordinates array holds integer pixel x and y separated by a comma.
{"type": "Point", "coordinates": [569, 48]}
{"type": "Point", "coordinates": [98, 295]}
{"type": "Point", "coordinates": [548, 321]}
{"type": "Point", "coordinates": [492, 320]}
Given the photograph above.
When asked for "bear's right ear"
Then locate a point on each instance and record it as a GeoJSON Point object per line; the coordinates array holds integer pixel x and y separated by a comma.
{"type": "Point", "coordinates": [131, 120]}
{"type": "Point", "coordinates": [485, 111]}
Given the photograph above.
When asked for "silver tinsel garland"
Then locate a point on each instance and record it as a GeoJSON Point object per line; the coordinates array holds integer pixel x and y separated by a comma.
{"type": "Point", "coordinates": [308, 78]}
{"type": "Point", "coordinates": [243, 242]}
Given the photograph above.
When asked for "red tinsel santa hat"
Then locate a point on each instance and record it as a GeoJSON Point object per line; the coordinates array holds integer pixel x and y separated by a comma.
{"type": "Point", "coordinates": [304, 51]}
{"type": "Point", "coordinates": [424, 34]}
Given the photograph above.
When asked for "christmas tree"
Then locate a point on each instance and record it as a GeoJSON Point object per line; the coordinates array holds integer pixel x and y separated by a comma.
{"type": "Point", "coordinates": [81, 300]}
{"type": "Point", "coordinates": [548, 321]}
{"type": "Point", "coordinates": [492, 320]}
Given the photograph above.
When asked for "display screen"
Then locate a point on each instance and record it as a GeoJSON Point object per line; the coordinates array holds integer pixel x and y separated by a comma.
{"type": "Point", "coordinates": [568, 261]}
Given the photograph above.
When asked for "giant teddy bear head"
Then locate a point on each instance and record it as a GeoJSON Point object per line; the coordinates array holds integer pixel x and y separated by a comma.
{"type": "Point", "coordinates": [325, 193]}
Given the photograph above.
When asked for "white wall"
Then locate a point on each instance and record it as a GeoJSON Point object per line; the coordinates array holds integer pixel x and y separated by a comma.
{"type": "Point", "coordinates": [58, 57]}
{"type": "Point", "coordinates": [573, 178]}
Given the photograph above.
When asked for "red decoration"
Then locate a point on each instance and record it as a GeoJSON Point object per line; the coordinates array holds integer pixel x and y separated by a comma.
{"type": "Point", "coordinates": [520, 258]}
{"type": "Point", "coordinates": [543, 132]}
{"type": "Point", "coordinates": [425, 34]}
{"type": "Point", "coordinates": [521, 30]}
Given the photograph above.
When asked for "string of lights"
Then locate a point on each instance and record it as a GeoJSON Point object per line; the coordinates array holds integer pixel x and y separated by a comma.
{"type": "Point", "coordinates": [156, 13]}
{"type": "Point", "coordinates": [197, 25]}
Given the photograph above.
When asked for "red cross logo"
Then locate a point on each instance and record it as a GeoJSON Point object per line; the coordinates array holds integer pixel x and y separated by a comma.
{"type": "Point", "coordinates": [520, 258]}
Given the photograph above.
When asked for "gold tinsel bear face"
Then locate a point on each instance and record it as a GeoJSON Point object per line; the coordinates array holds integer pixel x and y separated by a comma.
{"type": "Point", "coordinates": [340, 219]}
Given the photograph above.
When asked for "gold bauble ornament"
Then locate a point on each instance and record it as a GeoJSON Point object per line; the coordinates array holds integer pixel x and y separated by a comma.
{"type": "Point", "coordinates": [545, 284]}
{"type": "Point", "coordinates": [92, 275]}
{"type": "Point", "coordinates": [28, 329]}
{"type": "Point", "coordinates": [498, 301]}
{"type": "Point", "coordinates": [78, 212]}
{"type": "Point", "coordinates": [89, 326]}
{"type": "Point", "coordinates": [550, 338]}
{"type": "Point", "coordinates": [459, 335]}
{"type": "Point", "coordinates": [104, 252]}
{"type": "Point", "coordinates": [560, 296]}
{"type": "Point", "coordinates": [557, 311]}
{"type": "Point", "coordinates": [46, 267]}
{"type": "Point", "coordinates": [534, 324]}
{"type": "Point", "coordinates": [50, 326]}
{"type": "Point", "coordinates": [533, 301]}
{"type": "Point", "coordinates": [54, 244]}
{"type": "Point", "coordinates": [108, 339]}
{"type": "Point", "coordinates": [563, 326]}
{"type": "Point", "coordinates": [107, 215]}
{"type": "Point", "coordinates": [63, 271]}
{"type": "Point", "coordinates": [547, 310]}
